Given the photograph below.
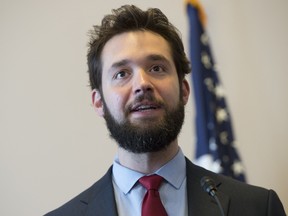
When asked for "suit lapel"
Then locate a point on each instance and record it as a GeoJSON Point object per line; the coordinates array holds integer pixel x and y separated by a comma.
{"type": "Point", "coordinates": [199, 202]}
{"type": "Point", "coordinates": [101, 201]}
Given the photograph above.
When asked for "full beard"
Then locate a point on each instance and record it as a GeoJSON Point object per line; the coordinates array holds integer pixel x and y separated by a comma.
{"type": "Point", "coordinates": [151, 136]}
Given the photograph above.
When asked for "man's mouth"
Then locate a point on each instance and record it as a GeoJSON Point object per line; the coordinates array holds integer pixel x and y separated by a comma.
{"type": "Point", "coordinates": [144, 107]}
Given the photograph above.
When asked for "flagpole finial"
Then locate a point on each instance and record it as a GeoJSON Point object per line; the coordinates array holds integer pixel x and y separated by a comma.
{"type": "Point", "coordinates": [201, 12]}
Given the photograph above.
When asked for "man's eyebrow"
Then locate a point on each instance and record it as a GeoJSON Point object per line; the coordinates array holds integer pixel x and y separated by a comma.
{"type": "Point", "coordinates": [157, 57]}
{"type": "Point", "coordinates": [120, 63]}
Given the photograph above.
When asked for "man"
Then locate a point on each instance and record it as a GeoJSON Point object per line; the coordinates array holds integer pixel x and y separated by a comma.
{"type": "Point", "coordinates": [137, 69]}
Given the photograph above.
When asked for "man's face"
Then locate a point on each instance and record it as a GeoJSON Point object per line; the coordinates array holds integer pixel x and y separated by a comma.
{"type": "Point", "coordinates": [140, 91]}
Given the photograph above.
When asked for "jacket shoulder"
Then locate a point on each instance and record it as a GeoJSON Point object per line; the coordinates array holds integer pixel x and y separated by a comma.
{"type": "Point", "coordinates": [244, 199]}
{"type": "Point", "coordinates": [78, 205]}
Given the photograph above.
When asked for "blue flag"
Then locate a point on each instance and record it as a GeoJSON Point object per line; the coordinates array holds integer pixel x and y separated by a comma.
{"type": "Point", "coordinates": [215, 149]}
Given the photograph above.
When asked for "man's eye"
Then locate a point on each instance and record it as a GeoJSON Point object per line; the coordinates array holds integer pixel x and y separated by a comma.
{"type": "Point", "coordinates": [157, 68]}
{"type": "Point", "coordinates": [120, 75]}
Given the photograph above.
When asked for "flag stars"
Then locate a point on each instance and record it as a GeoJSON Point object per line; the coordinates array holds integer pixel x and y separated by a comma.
{"type": "Point", "coordinates": [212, 144]}
{"type": "Point", "coordinates": [221, 115]}
{"type": "Point", "coordinates": [206, 60]}
{"type": "Point", "coordinates": [224, 137]}
{"type": "Point", "coordinates": [237, 168]}
{"type": "Point", "coordinates": [215, 67]}
{"type": "Point", "coordinates": [209, 83]}
{"type": "Point", "coordinates": [204, 39]}
{"type": "Point", "coordinates": [219, 91]}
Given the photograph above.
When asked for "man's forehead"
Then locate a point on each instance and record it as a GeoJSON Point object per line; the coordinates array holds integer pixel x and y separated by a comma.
{"type": "Point", "coordinates": [132, 45]}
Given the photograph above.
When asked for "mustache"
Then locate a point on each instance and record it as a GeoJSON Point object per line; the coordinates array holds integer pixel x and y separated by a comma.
{"type": "Point", "coordinates": [147, 96]}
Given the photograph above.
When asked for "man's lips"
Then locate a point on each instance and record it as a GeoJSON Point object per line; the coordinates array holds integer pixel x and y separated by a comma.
{"type": "Point", "coordinates": [139, 107]}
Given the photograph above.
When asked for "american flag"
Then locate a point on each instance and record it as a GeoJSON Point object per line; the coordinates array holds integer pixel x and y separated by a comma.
{"type": "Point", "coordinates": [215, 144]}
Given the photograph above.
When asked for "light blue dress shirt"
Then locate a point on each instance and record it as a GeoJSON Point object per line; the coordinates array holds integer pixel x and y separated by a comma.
{"type": "Point", "coordinates": [173, 191]}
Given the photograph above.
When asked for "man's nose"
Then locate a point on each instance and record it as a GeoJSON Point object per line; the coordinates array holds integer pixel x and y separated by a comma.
{"type": "Point", "coordinates": [142, 82]}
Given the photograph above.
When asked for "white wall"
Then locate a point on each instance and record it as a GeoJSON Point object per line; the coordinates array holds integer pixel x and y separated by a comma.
{"type": "Point", "coordinates": [52, 144]}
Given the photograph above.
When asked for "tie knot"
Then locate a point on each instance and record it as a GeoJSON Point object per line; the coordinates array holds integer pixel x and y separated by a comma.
{"type": "Point", "coordinates": [151, 182]}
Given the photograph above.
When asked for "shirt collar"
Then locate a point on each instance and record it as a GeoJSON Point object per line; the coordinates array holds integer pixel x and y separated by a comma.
{"type": "Point", "coordinates": [126, 178]}
{"type": "Point", "coordinates": [178, 167]}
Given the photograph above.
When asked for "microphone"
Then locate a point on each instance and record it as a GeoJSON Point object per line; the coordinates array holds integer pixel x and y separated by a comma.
{"type": "Point", "coordinates": [209, 187]}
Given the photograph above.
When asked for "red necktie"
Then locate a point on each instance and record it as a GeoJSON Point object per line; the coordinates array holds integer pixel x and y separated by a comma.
{"type": "Point", "coordinates": [152, 205]}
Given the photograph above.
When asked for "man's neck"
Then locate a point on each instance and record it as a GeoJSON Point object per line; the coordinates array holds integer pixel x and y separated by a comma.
{"type": "Point", "coordinates": [147, 162]}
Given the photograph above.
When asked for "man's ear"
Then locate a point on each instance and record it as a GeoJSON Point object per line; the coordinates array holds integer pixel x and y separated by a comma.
{"type": "Point", "coordinates": [97, 102]}
{"type": "Point", "coordinates": [185, 91]}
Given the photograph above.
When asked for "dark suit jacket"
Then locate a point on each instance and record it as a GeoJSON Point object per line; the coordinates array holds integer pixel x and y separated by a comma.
{"type": "Point", "coordinates": [237, 199]}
